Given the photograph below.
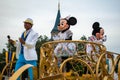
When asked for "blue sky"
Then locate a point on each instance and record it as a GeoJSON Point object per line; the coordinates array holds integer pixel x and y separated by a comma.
{"type": "Point", "coordinates": [43, 13]}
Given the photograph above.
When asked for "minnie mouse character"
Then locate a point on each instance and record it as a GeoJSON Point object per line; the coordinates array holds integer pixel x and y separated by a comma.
{"type": "Point", "coordinates": [65, 49]}
{"type": "Point", "coordinates": [97, 37]}
{"type": "Point", "coordinates": [97, 34]}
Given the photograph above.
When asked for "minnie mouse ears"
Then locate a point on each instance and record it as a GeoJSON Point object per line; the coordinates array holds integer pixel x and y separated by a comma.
{"type": "Point", "coordinates": [96, 25]}
{"type": "Point", "coordinates": [71, 20]}
{"type": "Point", "coordinates": [96, 28]}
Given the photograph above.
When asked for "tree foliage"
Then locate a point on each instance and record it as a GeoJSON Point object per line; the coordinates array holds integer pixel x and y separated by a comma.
{"type": "Point", "coordinates": [41, 40]}
{"type": "Point", "coordinates": [83, 38]}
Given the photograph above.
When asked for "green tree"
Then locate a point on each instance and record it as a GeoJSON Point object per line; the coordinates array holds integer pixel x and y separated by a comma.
{"type": "Point", "coordinates": [2, 59]}
{"type": "Point", "coordinates": [41, 40]}
{"type": "Point", "coordinates": [10, 47]}
{"type": "Point", "coordinates": [83, 38]}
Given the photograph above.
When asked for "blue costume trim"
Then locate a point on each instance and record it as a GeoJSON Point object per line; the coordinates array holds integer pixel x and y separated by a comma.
{"type": "Point", "coordinates": [24, 38]}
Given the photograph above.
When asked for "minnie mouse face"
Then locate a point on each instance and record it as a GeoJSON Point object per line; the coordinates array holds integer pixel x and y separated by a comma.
{"type": "Point", "coordinates": [66, 22]}
{"type": "Point", "coordinates": [63, 25]}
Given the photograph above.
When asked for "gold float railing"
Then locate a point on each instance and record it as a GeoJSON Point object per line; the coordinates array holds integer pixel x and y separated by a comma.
{"type": "Point", "coordinates": [94, 64]}
{"type": "Point", "coordinates": [48, 61]}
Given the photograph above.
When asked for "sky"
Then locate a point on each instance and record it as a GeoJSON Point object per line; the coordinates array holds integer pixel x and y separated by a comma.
{"type": "Point", "coordinates": [43, 13]}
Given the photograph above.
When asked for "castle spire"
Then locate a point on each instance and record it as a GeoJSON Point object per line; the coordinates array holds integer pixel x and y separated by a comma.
{"type": "Point", "coordinates": [55, 30]}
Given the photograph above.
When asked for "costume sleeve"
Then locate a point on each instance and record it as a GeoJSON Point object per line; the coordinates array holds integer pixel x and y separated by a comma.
{"type": "Point", "coordinates": [16, 43]}
{"type": "Point", "coordinates": [70, 38]}
{"type": "Point", "coordinates": [69, 35]}
{"type": "Point", "coordinates": [32, 41]}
